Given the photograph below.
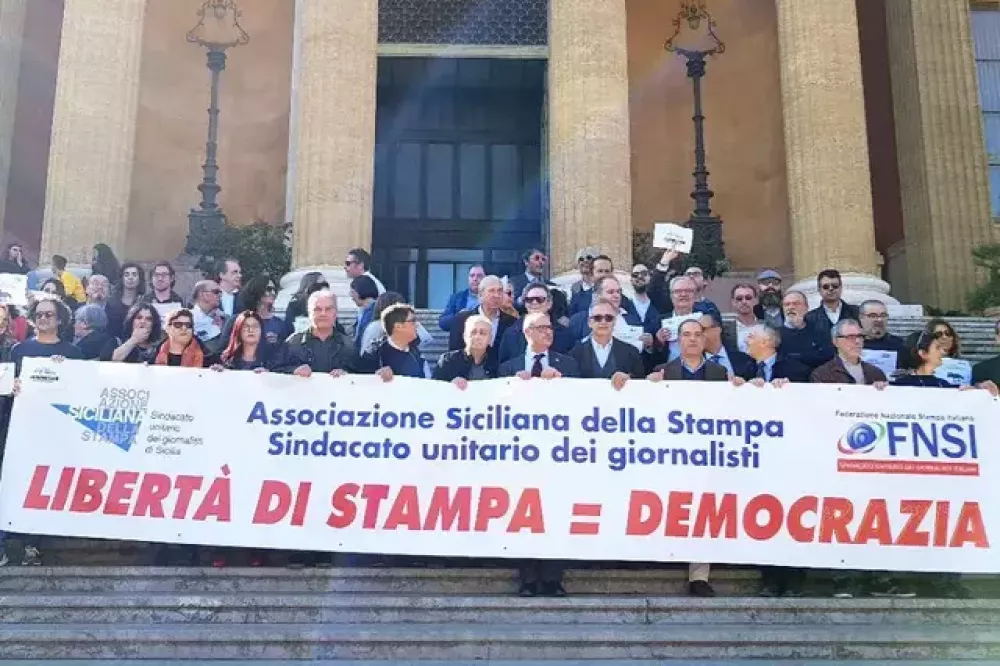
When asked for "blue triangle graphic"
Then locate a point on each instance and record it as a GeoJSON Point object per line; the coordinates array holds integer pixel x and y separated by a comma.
{"type": "Point", "coordinates": [120, 432]}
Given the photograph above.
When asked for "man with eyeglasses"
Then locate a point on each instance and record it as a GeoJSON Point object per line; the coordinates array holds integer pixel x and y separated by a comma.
{"type": "Point", "coordinates": [832, 308]}
{"type": "Point", "coordinates": [875, 323]}
{"type": "Point", "coordinates": [537, 298]}
{"type": "Point", "coordinates": [683, 293]}
{"type": "Point", "coordinates": [602, 267]}
{"type": "Point", "coordinates": [358, 263]}
{"type": "Point", "coordinates": [697, 275]}
{"type": "Point", "coordinates": [737, 363]}
{"type": "Point", "coordinates": [161, 280]}
{"type": "Point", "coordinates": [209, 319]}
{"type": "Point", "coordinates": [744, 302]}
{"type": "Point", "coordinates": [585, 265]}
{"type": "Point", "coordinates": [768, 308]}
{"type": "Point", "coordinates": [799, 341]}
{"type": "Point", "coordinates": [610, 289]}
{"type": "Point", "coordinates": [601, 356]}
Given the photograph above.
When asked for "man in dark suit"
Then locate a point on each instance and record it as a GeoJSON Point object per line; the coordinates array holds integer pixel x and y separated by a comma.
{"type": "Point", "coordinates": [535, 262]}
{"type": "Point", "coordinates": [542, 577]}
{"type": "Point", "coordinates": [601, 267]}
{"type": "Point", "coordinates": [692, 366]}
{"type": "Point", "coordinates": [832, 308]}
{"type": "Point", "coordinates": [466, 299]}
{"type": "Point", "coordinates": [601, 356]}
{"type": "Point", "coordinates": [763, 341]}
{"type": "Point", "coordinates": [537, 298]}
{"type": "Point", "coordinates": [490, 299]}
{"type": "Point", "coordinates": [722, 353]}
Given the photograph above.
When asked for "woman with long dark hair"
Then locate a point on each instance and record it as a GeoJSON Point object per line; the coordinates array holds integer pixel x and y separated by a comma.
{"type": "Point", "coordinates": [130, 284]}
{"type": "Point", "coordinates": [297, 307]}
{"type": "Point", "coordinates": [247, 349]}
{"type": "Point", "coordinates": [104, 262]}
{"type": "Point", "coordinates": [953, 367]}
{"type": "Point", "coordinates": [141, 333]}
{"type": "Point", "coordinates": [14, 261]}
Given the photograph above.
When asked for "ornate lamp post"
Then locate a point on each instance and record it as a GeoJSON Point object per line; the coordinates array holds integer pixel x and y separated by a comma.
{"type": "Point", "coordinates": [707, 251]}
{"type": "Point", "coordinates": [218, 29]}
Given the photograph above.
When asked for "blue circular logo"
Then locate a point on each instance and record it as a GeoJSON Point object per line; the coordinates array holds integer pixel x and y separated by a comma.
{"type": "Point", "coordinates": [861, 438]}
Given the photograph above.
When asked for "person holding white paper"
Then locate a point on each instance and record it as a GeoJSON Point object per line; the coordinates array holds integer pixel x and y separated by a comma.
{"type": "Point", "coordinates": [875, 323]}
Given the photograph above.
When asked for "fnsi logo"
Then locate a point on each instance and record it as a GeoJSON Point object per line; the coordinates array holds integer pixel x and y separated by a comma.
{"type": "Point", "coordinates": [909, 447]}
{"type": "Point", "coordinates": [115, 420]}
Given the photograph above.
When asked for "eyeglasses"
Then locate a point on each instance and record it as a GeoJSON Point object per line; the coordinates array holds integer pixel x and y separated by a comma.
{"type": "Point", "coordinates": [179, 325]}
{"type": "Point", "coordinates": [854, 337]}
{"type": "Point", "coordinates": [743, 299]}
{"type": "Point", "coordinates": [943, 334]}
{"type": "Point", "coordinates": [829, 286]}
{"type": "Point", "coordinates": [44, 314]}
{"type": "Point", "coordinates": [535, 300]}
{"type": "Point", "coordinates": [876, 315]}
{"type": "Point", "coordinates": [640, 274]}
{"type": "Point", "coordinates": [603, 319]}
{"type": "Point", "coordinates": [350, 262]}
{"type": "Point", "coordinates": [544, 328]}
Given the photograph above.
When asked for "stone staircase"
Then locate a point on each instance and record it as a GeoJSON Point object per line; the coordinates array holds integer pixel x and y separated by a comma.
{"type": "Point", "coordinates": [463, 616]}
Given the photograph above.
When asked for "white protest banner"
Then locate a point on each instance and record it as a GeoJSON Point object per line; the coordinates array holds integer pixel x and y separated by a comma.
{"type": "Point", "coordinates": [806, 475]}
{"type": "Point", "coordinates": [956, 371]}
{"type": "Point", "coordinates": [886, 361]}
{"type": "Point", "coordinates": [13, 289]}
{"type": "Point", "coordinates": [673, 237]}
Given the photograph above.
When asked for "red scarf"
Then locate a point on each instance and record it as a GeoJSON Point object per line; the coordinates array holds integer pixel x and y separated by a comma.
{"type": "Point", "coordinates": [191, 357]}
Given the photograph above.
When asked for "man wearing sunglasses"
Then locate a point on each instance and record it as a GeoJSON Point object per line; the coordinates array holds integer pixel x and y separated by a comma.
{"type": "Point", "coordinates": [832, 308]}
{"type": "Point", "coordinates": [537, 299]}
{"type": "Point", "coordinates": [209, 319]}
{"type": "Point", "coordinates": [601, 356]}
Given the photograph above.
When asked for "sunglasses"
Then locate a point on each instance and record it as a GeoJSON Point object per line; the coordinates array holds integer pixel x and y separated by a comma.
{"type": "Point", "coordinates": [829, 287]}
{"type": "Point", "coordinates": [641, 274]}
{"type": "Point", "coordinates": [179, 325]}
{"type": "Point", "coordinates": [270, 289]}
{"type": "Point", "coordinates": [604, 319]}
{"type": "Point", "coordinates": [943, 334]}
{"type": "Point", "coordinates": [743, 299]}
{"type": "Point", "coordinates": [537, 300]}
{"type": "Point", "coordinates": [45, 315]}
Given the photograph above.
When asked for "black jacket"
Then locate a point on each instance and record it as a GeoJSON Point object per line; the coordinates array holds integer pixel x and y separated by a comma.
{"type": "Point", "coordinates": [454, 364]}
{"type": "Point", "coordinates": [334, 353]}
{"type": "Point", "coordinates": [743, 365]}
{"type": "Point", "coordinates": [807, 345]}
{"type": "Point", "coordinates": [623, 358]}
{"type": "Point", "coordinates": [566, 365]}
{"type": "Point", "coordinates": [456, 337]}
{"type": "Point", "coordinates": [817, 319]}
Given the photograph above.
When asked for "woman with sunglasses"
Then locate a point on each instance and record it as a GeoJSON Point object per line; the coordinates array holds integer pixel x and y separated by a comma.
{"type": "Point", "coordinates": [927, 354]}
{"type": "Point", "coordinates": [953, 368]}
{"type": "Point", "coordinates": [141, 333]}
{"type": "Point", "coordinates": [181, 348]}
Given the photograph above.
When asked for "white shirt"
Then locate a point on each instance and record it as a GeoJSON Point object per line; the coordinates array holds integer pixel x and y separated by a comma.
{"type": "Point", "coordinates": [742, 332]}
{"type": "Point", "coordinates": [204, 325]}
{"type": "Point", "coordinates": [378, 283]}
{"type": "Point", "coordinates": [494, 324]}
{"type": "Point", "coordinates": [529, 359]}
{"type": "Point", "coordinates": [227, 301]}
{"type": "Point", "coordinates": [603, 353]}
{"type": "Point", "coordinates": [834, 315]}
{"type": "Point", "coordinates": [641, 306]}
{"type": "Point", "coordinates": [721, 357]}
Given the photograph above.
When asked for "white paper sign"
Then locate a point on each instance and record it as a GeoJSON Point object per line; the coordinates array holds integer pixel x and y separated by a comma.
{"type": "Point", "coordinates": [13, 289]}
{"type": "Point", "coordinates": [886, 361]}
{"type": "Point", "coordinates": [673, 237]}
{"type": "Point", "coordinates": [6, 378]}
{"type": "Point", "coordinates": [956, 371]}
{"type": "Point", "coordinates": [673, 324]}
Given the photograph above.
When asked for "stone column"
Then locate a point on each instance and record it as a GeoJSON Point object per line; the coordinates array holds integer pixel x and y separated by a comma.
{"type": "Point", "coordinates": [93, 128]}
{"type": "Point", "coordinates": [589, 155]}
{"type": "Point", "coordinates": [826, 147]}
{"type": "Point", "coordinates": [942, 157]}
{"type": "Point", "coordinates": [12, 13]}
{"type": "Point", "coordinates": [332, 138]}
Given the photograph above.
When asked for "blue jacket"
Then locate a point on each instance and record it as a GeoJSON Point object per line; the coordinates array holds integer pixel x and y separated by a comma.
{"type": "Point", "coordinates": [456, 304]}
{"type": "Point", "coordinates": [806, 345]}
{"type": "Point", "coordinates": [365, 318]}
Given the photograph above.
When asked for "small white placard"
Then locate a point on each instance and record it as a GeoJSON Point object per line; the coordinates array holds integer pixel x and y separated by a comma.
{"type": "Point", "coordinates": [668, 236]}
{"type": "Point", "coordinates": [885, 361]}
{"type": "Point", "coordinates": [6, 378]}
{"type": "Point", "coordinates": [955, 371]}
{"type": "Point", "coordinates": [13, 289]}
{"type": "Point", "coordinates": [301, 324]}
{"type": "Point", "coordinates": [673, 324]}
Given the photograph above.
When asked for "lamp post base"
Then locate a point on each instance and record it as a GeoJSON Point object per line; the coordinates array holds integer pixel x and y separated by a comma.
{"type": "Point", "coordinates": [203, 227]}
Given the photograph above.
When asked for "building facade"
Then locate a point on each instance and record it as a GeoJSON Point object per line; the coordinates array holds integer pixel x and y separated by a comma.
{"type": "Point", "coordinates": [839, 133]}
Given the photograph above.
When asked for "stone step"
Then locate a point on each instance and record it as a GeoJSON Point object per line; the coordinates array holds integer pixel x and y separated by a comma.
{"type": "Point", "coordinates": [348, 608]}
{"type": "Point", "coordinates": [512, 642]}
{"type": "Point", "coordinates": [481, 662]}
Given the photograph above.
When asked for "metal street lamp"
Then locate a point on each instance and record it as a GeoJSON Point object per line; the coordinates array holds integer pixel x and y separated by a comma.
{"type": "Point", "coordinates": [700, 41]}
{"type": "Point", "coordinates": [218, 29]}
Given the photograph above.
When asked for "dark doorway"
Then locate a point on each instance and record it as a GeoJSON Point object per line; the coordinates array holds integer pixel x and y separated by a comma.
{"type": "Point", "coordinates": [457, 171]}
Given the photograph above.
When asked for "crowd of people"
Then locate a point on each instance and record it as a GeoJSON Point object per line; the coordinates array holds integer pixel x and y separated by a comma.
{"type": "Point", "coordinates": [521, 326]}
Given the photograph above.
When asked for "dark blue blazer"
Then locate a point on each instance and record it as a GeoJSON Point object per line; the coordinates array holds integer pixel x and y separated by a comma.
{"type": "Point", "coordinates": [579, 324]}
{"type": "Point", "coordinates": [743, 365]}
{"type": "Point", "coordinates": [564, 364]}
{"type": "Point", "coordinates": [514, 343]}
{"type": "Point", "coordinates": [456, 303]}
{"type": "Point", "coordinates": [809, 345]}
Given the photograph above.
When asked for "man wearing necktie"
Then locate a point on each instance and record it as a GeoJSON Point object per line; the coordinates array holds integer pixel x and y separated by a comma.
{"type": "Point", "coordinates": [763, 342]}
{"type": "Point", "coordinates": [728, 356]}
{"type": "Point", "coordinates": [542, 577]}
